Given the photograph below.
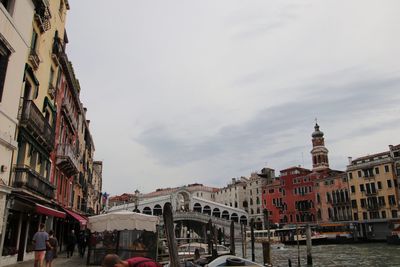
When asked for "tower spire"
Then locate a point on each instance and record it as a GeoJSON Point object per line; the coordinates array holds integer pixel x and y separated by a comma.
{"type": "Point", "coordinates": [319, 152]}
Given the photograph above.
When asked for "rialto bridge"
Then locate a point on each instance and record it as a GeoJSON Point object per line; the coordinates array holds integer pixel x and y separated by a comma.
{"type": "Point", "coordinates": [190, 211]}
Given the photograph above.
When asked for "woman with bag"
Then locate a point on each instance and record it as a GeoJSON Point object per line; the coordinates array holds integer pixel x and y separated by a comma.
{"type": "Point", "coordinates": [51, 252]}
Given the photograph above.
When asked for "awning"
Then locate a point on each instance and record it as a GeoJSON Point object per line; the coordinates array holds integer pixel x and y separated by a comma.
{"type": "Point", "coordinates": [49, 211]}
{"type": "Point", "coordinates": [76, 216]}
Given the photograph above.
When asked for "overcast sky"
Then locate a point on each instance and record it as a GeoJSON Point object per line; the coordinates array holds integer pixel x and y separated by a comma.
{"type": "Point", "coordinates": [203, 91]}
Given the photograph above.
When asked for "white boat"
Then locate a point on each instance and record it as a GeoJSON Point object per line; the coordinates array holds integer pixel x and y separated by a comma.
{"type": "Point", "coordinates": [188, 249]}
{"type": "Point", "coordinates": [229, 260]}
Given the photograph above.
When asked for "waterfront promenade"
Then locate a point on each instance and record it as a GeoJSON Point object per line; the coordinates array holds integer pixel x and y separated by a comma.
{"type": "Point", "coordinates": [61, 261]}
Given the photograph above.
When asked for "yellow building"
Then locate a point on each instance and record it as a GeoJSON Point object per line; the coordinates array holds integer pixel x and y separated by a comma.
{"type": "Point", "coordinates": [373, 187]}
{"type": "Point", "coordinates": [31, 201]}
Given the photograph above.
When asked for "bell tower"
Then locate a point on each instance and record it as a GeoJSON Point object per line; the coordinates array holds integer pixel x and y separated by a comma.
{"type": "Point", "coordinates": [319, 152]}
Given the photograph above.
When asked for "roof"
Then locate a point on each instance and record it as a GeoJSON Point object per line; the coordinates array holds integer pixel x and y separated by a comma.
{"type": "Point", "coordinates": [122, 220]}
{"type": "Point", "coordinates": [386, 153]}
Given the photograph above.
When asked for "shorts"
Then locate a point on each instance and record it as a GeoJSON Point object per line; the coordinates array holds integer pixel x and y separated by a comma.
{"type": "Point", "coordinates": [39, 255]}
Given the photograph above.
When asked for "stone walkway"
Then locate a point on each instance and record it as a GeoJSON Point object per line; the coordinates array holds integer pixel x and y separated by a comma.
{"type": "Point", "coordinates": [61, 261]}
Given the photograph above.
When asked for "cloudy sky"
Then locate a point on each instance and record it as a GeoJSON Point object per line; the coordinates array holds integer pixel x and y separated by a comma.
{"type": "Point", "coordinates": [202, 91]}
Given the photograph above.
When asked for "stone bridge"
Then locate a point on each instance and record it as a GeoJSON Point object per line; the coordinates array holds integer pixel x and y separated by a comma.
{"type": "Point", "coordinates": [189, 208]}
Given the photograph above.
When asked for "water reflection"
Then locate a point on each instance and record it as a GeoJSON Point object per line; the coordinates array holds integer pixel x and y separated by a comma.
{"type": "Point", "coordinates": [374, 254]}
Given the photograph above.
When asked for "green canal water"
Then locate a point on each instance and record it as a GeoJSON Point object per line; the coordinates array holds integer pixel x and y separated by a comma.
{"type": "Point", "coordinates": [371, 254]}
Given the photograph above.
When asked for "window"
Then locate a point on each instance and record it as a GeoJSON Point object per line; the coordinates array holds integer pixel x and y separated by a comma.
{"type": "Point", "coordinates": [392, 200]}
{"type": "Point", "coordinates": [394, 213]}
{"type": "Point", "coordinates": [359, 174]}
{"type": "Point", "coordinates": [379, 185]}
{"type": "Point", "coordinates": [386, 168]}
{"type": "Point", "coordinates": [381, 201]}
{"type": "Point", "coordinates": [376, 170]}
{"type": "Point", "coordinates": [383, 214]}
{"type": "Point", "coordinates": [350, 175]}
{"type": "Point", "coordinates": [362, 189]}
{"type": "Point", "coordinates": [8, 4]}
{"type": "Point", "coordinates": [4, 55]}
{"type": "Point", "coordinates": [354, 203]}
{"type": "Point", "coordinates": [353, 189]}
{"type": "Point", "coordinates": [365, 215]}
{"type": "Point", "coordinates": [363, 203]}
{"type": "Point", "coordinates": [389, 183]}
{"type": "Point", "coordinates": [271, 191]}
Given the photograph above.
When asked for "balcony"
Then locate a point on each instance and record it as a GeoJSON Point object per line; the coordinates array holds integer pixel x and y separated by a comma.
{"type": "Point", "coordinates": [67, 159]}
{"type": "Point", "coordinates": [42, 15]}
{"type": "Point", "coordinates": [36, 125]}
{"type": "Point", "coordinates": [68, 111]}
{"type": "Point", "coordinates": [34, 59]}
{"type": "Point", "coordinates": [370, 193]}
{"type": "Point", "coordinates": [29, 179]}
{"type": "Point", "coordinates": [373, 207]}
{"type": "Point", "coordinates": [58, 50]}
{"type": "Point", "coordinates": [52, 91]}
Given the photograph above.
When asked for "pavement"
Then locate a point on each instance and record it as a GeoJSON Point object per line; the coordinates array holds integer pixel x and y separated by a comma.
{"type": "Point", "coordinates": [60, 261]}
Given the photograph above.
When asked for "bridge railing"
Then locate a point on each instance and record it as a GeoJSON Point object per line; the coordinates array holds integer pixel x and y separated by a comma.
{"type": "Point", "coordinates": [203, 218]}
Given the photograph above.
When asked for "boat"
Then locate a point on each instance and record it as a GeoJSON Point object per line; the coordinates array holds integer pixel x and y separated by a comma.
{"type": "Point", "coordinates": [188, 249]}
{"type": "Point", "coordinates": [229, 260]}
{"type": "Point", "coordinates": [262, 236]}
{"type": "Point", "coordinates": [394, 238]}
{"type": "Point", "coordinates": [297, 235]}
{"type": "Point", "coordinates": [336, 233]}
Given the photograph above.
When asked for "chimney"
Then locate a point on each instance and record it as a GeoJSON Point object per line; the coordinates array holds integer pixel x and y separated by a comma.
{"type": "Point", "coordinates": [233, 180]}
{"type": "Point", "coordinates": [350, 160]}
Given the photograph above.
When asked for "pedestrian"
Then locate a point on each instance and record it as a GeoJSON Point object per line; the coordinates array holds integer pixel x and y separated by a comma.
{"type": "Point", "coordinates": [82, 243]}
{"type": "Point", "coordinates": [41, 243]}
{"type": "Point", "coordinates": [71, 242]}
{"type": "Point", "coordinates": [51, 253]}
{"type": "Point", "coordinates": [113, 260]}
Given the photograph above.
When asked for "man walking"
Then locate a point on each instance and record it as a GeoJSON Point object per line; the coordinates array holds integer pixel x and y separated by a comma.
{"type": "Point", "coordinates": [41, 242]}
{"type": "Point", "coordinates": [71, 241]}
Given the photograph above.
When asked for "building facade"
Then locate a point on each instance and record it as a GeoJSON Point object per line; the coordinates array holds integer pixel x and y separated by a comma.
{"type": "Point", "coordinates": [374, 187]}
{"type": "Point", "coordinates": [332, 198]}
{"type": "Point", "coordinates": [15, 33]}
{"type": "Point", "coordinates": [45, 167]}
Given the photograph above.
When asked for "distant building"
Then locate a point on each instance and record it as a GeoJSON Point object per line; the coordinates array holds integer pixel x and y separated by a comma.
{"type": "Point", "coordinates": [332, 198]}
{"type": "Point", "coordinates": [373, 183]}
{"type": "Point", "coordinates": [246, 193]}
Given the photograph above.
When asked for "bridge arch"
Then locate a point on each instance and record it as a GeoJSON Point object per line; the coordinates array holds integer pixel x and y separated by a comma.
{"type": "Point", "coordinates": [234, 217]}
{"type": "Point", "coordinates": [157, 210]}
{"type": "Point", "coordinates": [216, 213]}
{"type": "Point", "coordinates": [147, 210]}
{"type": "Point", "coordinates": [182, 200]}
{"type": "Point", "coordinates": [197, 207]}
{"type": "Point", "coordinates": [225, 215]}
{"type": "Point", "coordinates": [207, 210]}
{"type": "Point", "coordinates": [243, 220]}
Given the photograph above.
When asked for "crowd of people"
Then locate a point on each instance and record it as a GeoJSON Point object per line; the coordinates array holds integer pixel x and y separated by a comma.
{"type": "Point", "coordinates": [46, 245]}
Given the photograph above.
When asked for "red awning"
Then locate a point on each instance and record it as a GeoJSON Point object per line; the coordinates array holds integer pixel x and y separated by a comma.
{"type": "Point", "coordinates": [49, 211]}
{"type": "Point", "coordinates": [77, 217]}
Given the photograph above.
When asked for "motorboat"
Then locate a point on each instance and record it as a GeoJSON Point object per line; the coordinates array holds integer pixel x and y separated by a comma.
{"type": "Point", "coordinates": [189, 249]}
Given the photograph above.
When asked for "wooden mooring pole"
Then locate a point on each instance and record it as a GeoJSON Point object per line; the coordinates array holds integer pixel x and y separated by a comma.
{"type": "Point", "coordinates": [253, 256]}
{"type": "Point", "coordinates": [232, 238]}
{"type": "Point", "coordinates": [267, 245]}
{"type": "Point", "coordinates": [170, 234]}
{"type": "Point", "coordinates": [309, 245]}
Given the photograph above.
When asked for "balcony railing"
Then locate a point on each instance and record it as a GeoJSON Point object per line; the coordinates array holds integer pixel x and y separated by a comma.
{"type": "Point", "coordinates": [67, 159]}
{"type": "Point", "coordinates": [35, 123]}
{"type": "Point", "coordinates": [42, 15]}
{"type": "Point", "coordinates": [52, 91]}
{"type": "Point", "coordinates": [67, 109]}
{"type": "Point", "coordinates": [27, 178]}
{"type": "Point", "coordinates": [58, 50]}
{"type": "Point", "coordinates": [373, 207]}
{"type": "Point", "coordinates": [34, 59]}
{"type": "Point", "coordinates": [370, 193]}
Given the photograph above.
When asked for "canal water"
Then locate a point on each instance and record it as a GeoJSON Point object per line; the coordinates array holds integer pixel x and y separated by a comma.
{"type": "Point", "coordinates": [370, 254]}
